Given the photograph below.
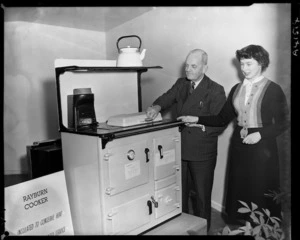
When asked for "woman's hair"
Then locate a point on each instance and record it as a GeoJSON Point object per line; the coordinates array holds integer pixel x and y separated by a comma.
{"type": "Point", "coordinates": [256, 52]}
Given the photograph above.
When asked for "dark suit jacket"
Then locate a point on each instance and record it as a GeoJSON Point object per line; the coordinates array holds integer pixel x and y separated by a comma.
{"type": "Point", "coordinates": [207, 99]}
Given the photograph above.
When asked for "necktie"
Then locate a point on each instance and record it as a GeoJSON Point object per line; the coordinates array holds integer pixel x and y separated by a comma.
{"type": "Point", "coordinates": [192, 87]}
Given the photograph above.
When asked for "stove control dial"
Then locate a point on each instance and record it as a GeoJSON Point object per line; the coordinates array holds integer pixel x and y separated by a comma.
{"type": "Point", "coordinates": [131, 154]}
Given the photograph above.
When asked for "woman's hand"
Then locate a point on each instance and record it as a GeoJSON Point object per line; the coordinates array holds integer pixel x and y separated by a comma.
{"type": "Point", "coordinates": [252, 138]}
{"type": "Point", "coordinates": [188, 119]}
{"type": "Point", "coordinates": [191, 121]}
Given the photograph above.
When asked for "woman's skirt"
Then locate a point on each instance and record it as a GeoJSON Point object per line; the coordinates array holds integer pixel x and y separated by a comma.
{"type": "Point", "coordinates": [253, 171]}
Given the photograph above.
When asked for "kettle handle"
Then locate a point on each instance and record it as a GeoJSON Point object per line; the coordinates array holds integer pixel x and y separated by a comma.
{"type": "Point", "coordinates": [128, 37]}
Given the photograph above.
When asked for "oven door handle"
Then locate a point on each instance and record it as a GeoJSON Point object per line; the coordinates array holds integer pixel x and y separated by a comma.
{"type": "Point", "coordinates": [149, 204]}
{"type": "Point", "coordinates": [160, 151]}
{"type": "Point", "coordinates": [147, 154]}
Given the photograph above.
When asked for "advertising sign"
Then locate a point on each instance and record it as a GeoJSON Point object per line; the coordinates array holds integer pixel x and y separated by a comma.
{"type": "Point", "coordinates": [38, 207]}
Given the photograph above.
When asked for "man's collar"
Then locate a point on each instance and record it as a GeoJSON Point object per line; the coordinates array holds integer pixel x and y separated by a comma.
{"type": "Point", "coordinates": [198, 81]}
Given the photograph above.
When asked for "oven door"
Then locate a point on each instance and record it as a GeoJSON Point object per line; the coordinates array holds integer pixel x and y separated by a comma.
{"type": "Point", "coordinates": [128, 166]}
{"type": "Point", "coordinates": [168, 200]}
{"type": "Point", "coordinates": [165, 156]}
{"type": "Point", "coordinates": [129, 216]}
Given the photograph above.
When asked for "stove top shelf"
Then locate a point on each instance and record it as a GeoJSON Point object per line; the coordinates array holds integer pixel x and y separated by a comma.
{"type": "Point", "coordinates": [74, 68]}
{"type": "Point", "coordinates": [108, 133]}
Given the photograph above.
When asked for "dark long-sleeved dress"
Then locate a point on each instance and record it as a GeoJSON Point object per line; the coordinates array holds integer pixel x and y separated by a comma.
{"type": "Point", "coordinates": [253, 169]}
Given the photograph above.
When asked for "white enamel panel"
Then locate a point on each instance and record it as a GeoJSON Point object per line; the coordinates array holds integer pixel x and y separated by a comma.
{"type": "Point", "coordinates": [114, 93]}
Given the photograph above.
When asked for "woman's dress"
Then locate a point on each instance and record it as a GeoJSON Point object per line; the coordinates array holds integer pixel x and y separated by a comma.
{"type": "Point", "coordinates": [253, 169]}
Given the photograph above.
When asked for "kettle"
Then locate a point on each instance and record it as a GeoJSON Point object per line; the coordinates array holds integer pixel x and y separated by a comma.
{"type": "Point", "coordinates": [129, 56]}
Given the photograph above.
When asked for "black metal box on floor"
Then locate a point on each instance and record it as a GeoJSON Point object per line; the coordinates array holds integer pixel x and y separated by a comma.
{"type": "Point", "coordinates": [44, 158]}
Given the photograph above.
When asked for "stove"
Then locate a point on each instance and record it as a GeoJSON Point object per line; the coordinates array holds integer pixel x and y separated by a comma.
{"type": "Point", "coordinates": [123, 174]}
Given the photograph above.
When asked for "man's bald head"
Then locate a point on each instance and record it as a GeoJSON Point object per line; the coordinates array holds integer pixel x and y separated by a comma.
{"type": "Point", "coordinates": [199, 53]}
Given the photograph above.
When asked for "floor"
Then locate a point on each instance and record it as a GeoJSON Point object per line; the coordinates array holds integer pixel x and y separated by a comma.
{"type": "Point", "coordinates": [10, 180]}
{"type": "Point", "coordinates": [217, 220]}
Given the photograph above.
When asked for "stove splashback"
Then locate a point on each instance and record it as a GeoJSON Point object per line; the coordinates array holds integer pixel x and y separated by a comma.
{"type": "Point", "coordinates": [113, 94]}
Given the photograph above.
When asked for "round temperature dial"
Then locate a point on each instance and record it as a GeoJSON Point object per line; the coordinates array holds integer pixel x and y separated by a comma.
{"type": "Point", "coordinates": [130, 154]}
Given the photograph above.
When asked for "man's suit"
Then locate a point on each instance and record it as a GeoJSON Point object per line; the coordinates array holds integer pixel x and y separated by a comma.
{"type": "Point", "coordinates": [198, 148]}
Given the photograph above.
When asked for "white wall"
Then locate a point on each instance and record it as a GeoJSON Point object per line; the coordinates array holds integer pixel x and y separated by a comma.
{"type": "Point", "coordinates": [30, 107]}
{"type": "Point", "coordinates": [169, 33]}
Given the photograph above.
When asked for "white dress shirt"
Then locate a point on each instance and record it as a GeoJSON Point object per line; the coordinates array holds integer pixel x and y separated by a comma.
{"type": "Point", "coordinates": [197, 83]}
{"type": "Point", "coordinates": [248, 84]}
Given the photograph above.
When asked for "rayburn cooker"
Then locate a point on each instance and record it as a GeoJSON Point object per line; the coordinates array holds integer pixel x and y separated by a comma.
{"type": "Point", "coordinates": [120, 179]}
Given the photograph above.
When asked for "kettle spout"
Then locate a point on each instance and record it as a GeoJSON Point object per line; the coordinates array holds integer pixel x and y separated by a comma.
{"type": "Point", "coordinates": [142, 56]}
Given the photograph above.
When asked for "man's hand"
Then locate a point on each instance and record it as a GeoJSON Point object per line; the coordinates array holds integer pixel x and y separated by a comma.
{"type": "Point", "coordinates": [153, 111]}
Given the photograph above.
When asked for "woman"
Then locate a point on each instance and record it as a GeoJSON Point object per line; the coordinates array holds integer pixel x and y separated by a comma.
{"type": "Point", "coordinates": [260, 108]}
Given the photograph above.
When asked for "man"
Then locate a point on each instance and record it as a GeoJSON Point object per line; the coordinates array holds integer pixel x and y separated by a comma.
{"type": "Point", "coordinates": [199, 143]}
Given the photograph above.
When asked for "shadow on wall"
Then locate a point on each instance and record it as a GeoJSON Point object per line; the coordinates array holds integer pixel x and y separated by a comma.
{"type": "Point", "coordinates": [240, 76]}
{"type": "Point", "coordinates": [224, 214]}
{"type": "Point", "coordinates": [239, 73]}
{"type": "Point", "coordinates": [24, 163]}
{"type": "Point", "coordinates": [183, 69]}
{"type": "Point", "coordinates": [283, 78]}
{"type": "Point", "coordinates": [171, 112]}
{"type": "Point", "coordinates": [51, 109]}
